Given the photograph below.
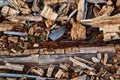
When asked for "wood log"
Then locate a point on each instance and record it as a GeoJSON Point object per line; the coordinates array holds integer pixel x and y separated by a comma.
{"type": "Point", "coordinates": [38, 71]}
{"type": "Point", "coordinates": [8, 11]}
{"type": "Point", "coordinates": [81, 9]}
{"type": "Point", "coordinates": [64, 66]}
{"type": "Point", "coordinates": [50, 70]}
{"type": "Point", "coordinates": [80, 63]}
{"type": "Point", "coordinates": [83, 77]}
{"type": "Point", "coordinates": [83, 60]}
{"type": "Point", "coordinates": [15, 67]}
{"type": "Point", "coordinates": [5, 26]}
{"type": "Point", "coordinates": [59, 74]}
{"type": "Point", "coordinates": [26, 18]}
{"type": "Point", "coordinates": [105, 59]}
{"type": "Point", "coordinates": [78, 31]}
{"type": "Point", "coordinates": [13, 39]}
{"type": "Point", "coordinates": [118, 3]}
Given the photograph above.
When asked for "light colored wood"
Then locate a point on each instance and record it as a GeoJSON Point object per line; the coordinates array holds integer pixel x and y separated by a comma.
{"type": "Point", "coordinates": [118, 3]}
{"type": "Point", "coordinates": [38, 71]}
{"type": "Point", "coordinates": [96, 60]}
{"type": "Point", "coordinates": [59, 74]}
{"type": "Point", "coordinates": [78, 31]}
{"type": "Point", "coordinates": [83, 77]}
{"type": "Point", "coordinates": [83, 60]}
{"type": "Point", "coordinates": [83, 65]}
{"type": "Point", "coordinates": [13, 39]}
{"type": "Point", "coordinates": [5, 26]}
{"type": "Point", "coordinates": [15, 67]}
{"type": "Point", "coordinates": [81, 9]}
{"type": "Point", "coordinates": [8, 11]}
{"type": "Point", "coordinates": [50, 70]}
{"type": "Point", "coordinates": [36, 45]}
{"type": "Point", "coordinates": [48, 13]}
{"type": "Point", "coordinates": [105, 59]}
{"type": "Point", "coordinates": [64, 66]}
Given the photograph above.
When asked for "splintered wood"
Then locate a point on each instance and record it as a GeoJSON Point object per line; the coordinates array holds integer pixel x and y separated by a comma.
{"type": "Point", "coordinates": [48, 13]}
{"type": "Point", "coordinates": [78, 31]}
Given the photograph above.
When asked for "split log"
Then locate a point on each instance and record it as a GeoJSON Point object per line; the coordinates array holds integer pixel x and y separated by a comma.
{"type": "Point", "coordinates": [83, 77]}
{"type": "Point", "coordinates": [96, 1]}
{"type": "Point", "coordinates": [13, 39]}
{"type": "Point", "coordinates": [105, 59]}
{"type": "Point", "coordinates": [59, 74]}
{"type": "Point", "coordinates": [81, 9]}
{"type": "Point", "coordinates": [5, 26]}
{"type": "Point", "coordinates": [38, 71]}
{"type": "Point", "coordinates": [83, 60]}
{"type": "Point", "coordinates": [15, 67]}
{"type": "Point", "coordinates": [48, 13]}
{"type": "Point", "coordinates": [118, 3]}
{"type": "Point", "coordinates": [50, 70]}
{"type": "Point", "coordinates": [80, 63]}
{"type": "Point", "coordinates": [26, 18]}
{"type": "Point", "coordinates": [78, 31]}
{"type": "Point", "coordinates": [64, 66]}
{"type": "Point", "coordinates": [47, 2]}
{"type": "Point", "coordinates": [8, 11]}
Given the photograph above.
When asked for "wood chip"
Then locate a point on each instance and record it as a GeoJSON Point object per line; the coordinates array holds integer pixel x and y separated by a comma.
{"type": "Point", "coordinates": [13, 39]}
{"type": "Point", "coordinates": [50, 70]}
{"type": "Point", "coordinates": [38, 71]}
{"type": "Point", "coordinates": [59, 74]}
{"type": "Point", "coordinates": [80, 63]}
{"type": "Point", "coordinates": [78, 31]}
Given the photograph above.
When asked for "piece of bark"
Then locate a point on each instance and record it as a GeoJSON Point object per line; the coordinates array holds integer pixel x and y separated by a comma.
{"type": "Point", "coordinates": [13, 39]}
{"type": "Point", "coordinates": [80, 63]}
{"type": "Point", "coordinates": [15, 67]}
{"type": "Point", "coordinates": [59, 74]}
{"type": "Point", "coordinates": [78, 31]}
{"type": "Point", "coordinates": [83, 77]}
{"type": "Point", "coordinates": [48, 23]}
{"type": "Point", "coordinates": [48, 13]}
{"type": "Point", "coordinates": [83, 60]}
{"type": "Point", "coordinates": [5, 26]}
{"type": "Point", "coordinates": [38, 71]}
{"type": "Point", "coordinates": [8, 11]}
{"type": "Point", "coordinates": [65, 75]}
{"type": "Point", "coordinates": [81, 9]}
{"type": "Point", "coordinates": [50, 70]}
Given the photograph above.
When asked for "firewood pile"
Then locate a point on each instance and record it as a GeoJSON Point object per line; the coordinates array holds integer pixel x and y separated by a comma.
{"type": "Point", "coordinates": [59, 39]}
